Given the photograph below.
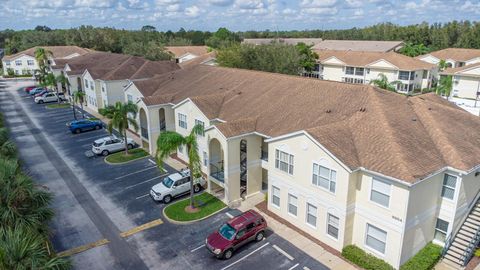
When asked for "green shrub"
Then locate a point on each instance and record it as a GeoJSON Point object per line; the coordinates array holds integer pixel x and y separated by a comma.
{"type": "Point", "coordinates": [477, 253]}
{"type": "Point", "coordinates": [425, 259]}
{"type": "Point", "coordinates": [9, 149]}
{"type": "Point", "coordinates": [359, 257]}
{"type": "Point", "coordinates": [1, 121]}
{"type": "Point", "coordinates": [3, 135]}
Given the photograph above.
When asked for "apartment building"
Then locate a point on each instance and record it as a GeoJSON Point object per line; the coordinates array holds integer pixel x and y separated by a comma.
{"type": "Point", "coordinates": [359, 45]}
{"type": "Point", "coordinates": [345, 163]}
{"type": "Point", "coordinates": [24, 62]}
{"type": "Point", "coordinates": [360, 67]}
{"type": "Point", "coordinates": [466, 81]}
{"type": "Point", "coordinates": [289, 41]}
{"type": "Point", "coordinates": [455, 57]}
{"type": "Point", "coordinates": [186, 53]}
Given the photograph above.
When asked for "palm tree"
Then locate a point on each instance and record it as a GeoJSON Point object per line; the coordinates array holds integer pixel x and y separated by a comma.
{"type": "Point", "coordinates": [42, 55]}
{"type": "Point", "coordinates": [63, 81]}
{"type": "Point", "coordinates": [169, 141]}
{"type": "Point", "coordinates": [51, 81]}
{"type": "Point", "coordinates": [121, 116]}
{"type": "Point", "coordinates": [21, 248]}
{"type": "Point", "coordinates": [78, 97]}
{"type": "Point", "coordinates": [445, 86]}
{"type": "Point", "coordinates": [382, 82]}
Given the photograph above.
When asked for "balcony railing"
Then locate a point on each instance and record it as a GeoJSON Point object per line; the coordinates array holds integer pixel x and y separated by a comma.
{"type": "Point", "coordinates": [163, 125]}
{"type": "Point", "coordinates": [144, 132]}
{"type": "Point", "coordinates": [264, 155]}
{"type": "Point", "coordinates": [217, 173]}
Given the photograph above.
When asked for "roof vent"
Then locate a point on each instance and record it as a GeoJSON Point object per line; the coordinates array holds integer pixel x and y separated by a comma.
{"type": "Point", "coordinates": [328, 111]}
{"type": "Point", "coordinates": [429, 109]}
{"type": "Point", "coordinates": [414, 119]}
{"type": "Point", "coordinates": [363, 109]}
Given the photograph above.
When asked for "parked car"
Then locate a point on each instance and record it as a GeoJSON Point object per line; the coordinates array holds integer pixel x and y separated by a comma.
{"type": "Point", "coordinates": [175, 185]}
{"type": "Point", "coordinates": [78, 126]}
{"type": "Point", "coordinates": [238, 231]}
{"type": "Point", "coordinates": [30, 88]}
{"type": "Point", "coordinates": [110, 144]}
{"type": "Point", "coordinates": [49, 97]}
{"type": "Point", "coordinates": [41, 93]}
{"type": "Point", "coordinates": [36, 91]}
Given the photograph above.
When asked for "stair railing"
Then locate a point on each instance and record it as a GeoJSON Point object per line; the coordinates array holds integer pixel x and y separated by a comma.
{"type": "Point", "coordinates": [472, 246]}
{"type": "Point", "coordinates": [448, 243]}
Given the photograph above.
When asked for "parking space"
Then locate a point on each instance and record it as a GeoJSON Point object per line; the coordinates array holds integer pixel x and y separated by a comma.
{"type": "Point", "coordinates": [127, 187]}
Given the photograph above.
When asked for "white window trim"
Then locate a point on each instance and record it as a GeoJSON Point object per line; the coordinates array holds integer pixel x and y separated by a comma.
{"type": "Point", "coordinates": [179, 120]}
{"type": "Point", "coordinates": [198, 121]}
{"type": "Point", "coordinates": [279, 198]}
{"type": "Point", "coordinates": [275, 161]}
{"type": "Point", "coordinates": [389, 195]}
{"type": "Point", "coordinates": [370, 248]}
{"type": "Point", "coordinates": [435, 230]}
{"type": "Point", "coordinates": [454, 199]}
{"type": "Point", "coordinates": [288, 205]}
{"type": "Point", "coordinates": [338, 228]}
{"type": "Point", "coordinates": [306, 215]}
{"type": "Point", "coordinates": [329, 180]}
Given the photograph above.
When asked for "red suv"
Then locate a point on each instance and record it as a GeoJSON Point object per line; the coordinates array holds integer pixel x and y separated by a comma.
{"type": "Point", "coordinates": [236, 232]}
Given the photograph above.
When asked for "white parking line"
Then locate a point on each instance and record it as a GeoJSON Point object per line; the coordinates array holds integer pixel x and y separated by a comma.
{"type": "Point", "coordinates": [306, 268]}
{"type": "Point", "coordinates": [293, 267]}
{"type": "Point", "coordinates": [127, 175]}
{"type": "Point", "coordinates": [146, 181]}
{"type": "Point", "coordinates": [197, 248]}
{"type": "Point", "coordinates": [283, 252]}
{"type": "Point", "coordinates": [143, 196]}
{"type": "Point", "coordinates": [229, 215]}
{"type": "Point", "coordinates": [244, 257]}
{"type": "Point", "coordinates": [151, 161]}
{"type": "Point", "coordinates": [92, 137]}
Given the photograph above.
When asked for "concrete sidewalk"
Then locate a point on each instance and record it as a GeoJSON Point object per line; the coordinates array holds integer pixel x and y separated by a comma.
{"type": "Point", "coordinates": [301, 242]}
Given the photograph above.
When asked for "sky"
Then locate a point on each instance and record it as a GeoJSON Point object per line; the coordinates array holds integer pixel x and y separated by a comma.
{"type": "Point", "coordinates": [237, 15]}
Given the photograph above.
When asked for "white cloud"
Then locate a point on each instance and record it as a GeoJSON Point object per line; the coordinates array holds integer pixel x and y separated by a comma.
{"type": "Point", "coordinates": [321, 10]}
{"type": "Point", "coordinates": [318, 3]}
{"type": "Point", "coordinates": [249, 4]}
{"type": "Point", "coordinates": [221, 3]}
{"type": "Point", "coordinates": [358, 12]}
{"type": "Point", "coordinates": [94, 3]}
{"type": "Point", "coordinates": [192, 11]}
{"type": "Point", "coordinates": [173, 8]}
{"type": "Point", "coordinates": [354, 3]}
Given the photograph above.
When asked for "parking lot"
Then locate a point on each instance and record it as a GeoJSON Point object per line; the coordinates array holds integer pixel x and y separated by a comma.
{"type": "Point", "coordinates": [121, 192]}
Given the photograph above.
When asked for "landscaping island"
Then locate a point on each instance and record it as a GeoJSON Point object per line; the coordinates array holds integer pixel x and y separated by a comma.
{"type": "Point", "coordinates": [206, 204]}
{"type": "Point", "coordinates": [58, 106]}
{"type": "Point", "coordinates": [120, 157]}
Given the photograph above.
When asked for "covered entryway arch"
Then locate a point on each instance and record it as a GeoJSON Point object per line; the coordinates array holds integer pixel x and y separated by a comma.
{"type": "Point", "coordinates": [144, 128]}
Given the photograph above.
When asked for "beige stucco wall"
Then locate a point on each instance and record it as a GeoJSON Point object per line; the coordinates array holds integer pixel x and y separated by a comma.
{"type": "Point", "coordinates": [466, 86]}
{"type": "Point", "coordinates": [20, 69]}
{"type": "Point", "coordinates": [112, 91]}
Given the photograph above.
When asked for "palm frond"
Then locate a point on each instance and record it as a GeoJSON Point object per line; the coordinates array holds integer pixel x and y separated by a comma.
{"type": "Point", "coordinates": [167, 142]}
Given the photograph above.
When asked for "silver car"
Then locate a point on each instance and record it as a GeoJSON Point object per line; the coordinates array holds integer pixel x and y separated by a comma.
{"type": "Point", "coordinates": [110, 144]}
{"type": "Point", "coordinates": [174, 185]}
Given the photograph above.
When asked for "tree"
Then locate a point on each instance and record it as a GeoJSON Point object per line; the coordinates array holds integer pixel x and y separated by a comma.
{"type": "Point", "coordinates": [442, 65]}
{"type": "Point", "coordinates": [413, 50]}
{"type": "Point", "coordinates": [169, 141]}
{"type": "Point", "coordinates": [222, 38]}
{"type": "Point", "coordinates": [42, 55]}
{"type": "Point", "coordinates": [43, 28]}
{"type": "Point", "coordinates": [78, 97]}
{"type": "Point", "coordinates": [121, 117]}
{"type": "Point", "coordinates": [445, 86]}
{"type": "Point", "coordinates": [309, 57]}
{"type": "Point", "coordinates": [382, 82]}
{"type": "Point", "coordinates": [149, 28]}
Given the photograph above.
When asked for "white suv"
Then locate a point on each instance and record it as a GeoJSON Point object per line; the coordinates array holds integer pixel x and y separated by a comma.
{"type": "Point", "coordinates": [174, 185]}
{"type": "Point", "coordinates": [49, 97]}
{"type": "Point", "coordinates": [110, 144]}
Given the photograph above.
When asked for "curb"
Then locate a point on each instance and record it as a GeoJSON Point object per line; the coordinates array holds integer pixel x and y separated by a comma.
{"type": "Point", "coordinates": [121, 163]}
{"type": "Point", "coordinates": [190, 221]}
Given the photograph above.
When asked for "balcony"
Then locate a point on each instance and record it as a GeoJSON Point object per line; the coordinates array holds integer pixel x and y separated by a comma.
{"type": "Point", "coordinates": [163, 125]}
{"type": "Point", "coordinates": [217, 172]}
{"type": "Point", "coordinates": [264, 155]}
{"type": "Point", "coordinates": [144, 132]}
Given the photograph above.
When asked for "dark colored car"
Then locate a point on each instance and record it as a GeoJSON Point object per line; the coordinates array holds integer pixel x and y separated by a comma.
{"type": "Point", "coordinates": [41, 93]}
{"type": "Point", "coordinates": [29, 88]}
{"type": "Point", "coordinates": [78, 126]}
{"type": "Point", "coordinates": [238, 231]}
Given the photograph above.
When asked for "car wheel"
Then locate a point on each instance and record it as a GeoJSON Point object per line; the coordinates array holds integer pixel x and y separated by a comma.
{"type": "Point", "coordinates": [129, 146]}
{"type": "Point", "coordinates": [105, 153]}
{"type": "Point", "coordinates": [77, 130]}
{"type": "Point", "coordinates": [40, 102]}
{"type": "Point", "coordinates": [259, 237]}
{"type": "Point", "coordinates": [196, 188]}
{"type": "Point", "coordinates": [228, 254]}
{"type": "Point", "coordinates": [97, 127]}
{"type": "Point", "coordinates": [167, 199]}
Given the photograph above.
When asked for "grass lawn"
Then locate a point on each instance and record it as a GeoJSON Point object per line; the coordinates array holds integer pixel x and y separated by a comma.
{"type": "Point", "coordinates": [207, 203]}
{"type": "Point", "coordinates": [58, 106]}
{"type": "Point", "coordinates": [121, 157]}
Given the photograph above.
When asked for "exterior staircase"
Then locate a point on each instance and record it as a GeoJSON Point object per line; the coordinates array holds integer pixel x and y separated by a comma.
{"type": "Point", "coordinates": [459, 248]}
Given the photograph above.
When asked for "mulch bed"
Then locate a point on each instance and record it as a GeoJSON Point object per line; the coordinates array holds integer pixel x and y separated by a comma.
{"type": "Point", "coordinates": [473, 263]}
{"type": "Point", "coordinates": [263, 207]}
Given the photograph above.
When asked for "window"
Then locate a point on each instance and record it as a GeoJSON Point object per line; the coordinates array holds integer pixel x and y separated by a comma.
{"type": "Point", "coordinates": [332, 226]}
{"type": "Point", "coordinates": [324, 177]}
{"type": "Point", "coordinates": [412, 75]}
{"type": "Point", "coordinates": [359, 71]}
{"type": "Point", "coordinates": [86, 83]}
{"type": "Point", "coordinates": [441, 228]}
{"type": "Point", "coordinates": [349, 70]}
{"type": "Point", "coordinates": [7, 63]}
{"type": "Point", "coordinates": [129, 98]}
{"type": "Point", "coordinates": [198, 122]}
{"type": "Point", "coordinates": [17, 72]}
{"type": "Point", "coordinates": [30, 62]}
{"type": "Point", "coordinates": [448, 189]}
{"type": "Point", "coordinates": [180, 149]}
{"type": "Point", "coordinates": [376, 238]}
{"type": "Point", "coordinates": [276, 196]}
{"type": "Point", "coordinates": [284, 161]}
{"type": "Point", "coordinates": [403, 75]}
{"type": "Point", "coordinates": [205, 159]}
{"type": "Point", "coordinates": [292, 204]}
{"type": "Point", "coordinates": [103, 89]}
{"type": "Point", "coordinates": [92, 86]}
{"type": "Point", "coordinates": [182, 120]}
{"type": "Point", "coordinates": [311, 215]}
{"type": "Point", "coordinates": [380, 192]}
{"type": "Point", "coordinates": [352, 80]}
{"type": "Point", "coordinates": [425, 74]}
{"type": "Point", "coordinates": [18, 62]}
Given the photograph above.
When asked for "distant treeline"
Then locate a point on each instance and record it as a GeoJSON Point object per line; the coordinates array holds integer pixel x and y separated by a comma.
{"type": "Point", "coordinates": [435, 36]}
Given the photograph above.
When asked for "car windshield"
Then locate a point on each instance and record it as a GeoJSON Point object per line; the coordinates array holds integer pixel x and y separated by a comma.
{"type": "Point", "coordinates": [167, 182]}
{"type": "Point", "coordinates": [97, 144]}
{"type": "Point", "coordinates": [227, 231]}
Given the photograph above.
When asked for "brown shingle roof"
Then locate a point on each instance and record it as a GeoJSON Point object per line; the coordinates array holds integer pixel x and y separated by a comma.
{"type": "Point", "coordinates": [453, 71]}
{"type": "Point", "coordinates": [456, 54]}
{"type": "Point", "coordinates": [179, 51]}
{"type": "Point", "coordinates": [403, 137]}
{"type": "Point", "coordinates": [358, 45]}
{"type": "Point", "coordinates": [363, 59]}
{"type": "Point", "coordinates": [58, 52]}
{"type": "Point", "coordinates": [290, 41]}
{"type": "Point", "coordinates": [202, 59]}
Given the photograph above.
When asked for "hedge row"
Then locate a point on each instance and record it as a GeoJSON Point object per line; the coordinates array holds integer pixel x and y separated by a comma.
{"type": "Point", "coordinates": [359, 257]}
{"type": "Point", "coordinates": [425, 259]}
